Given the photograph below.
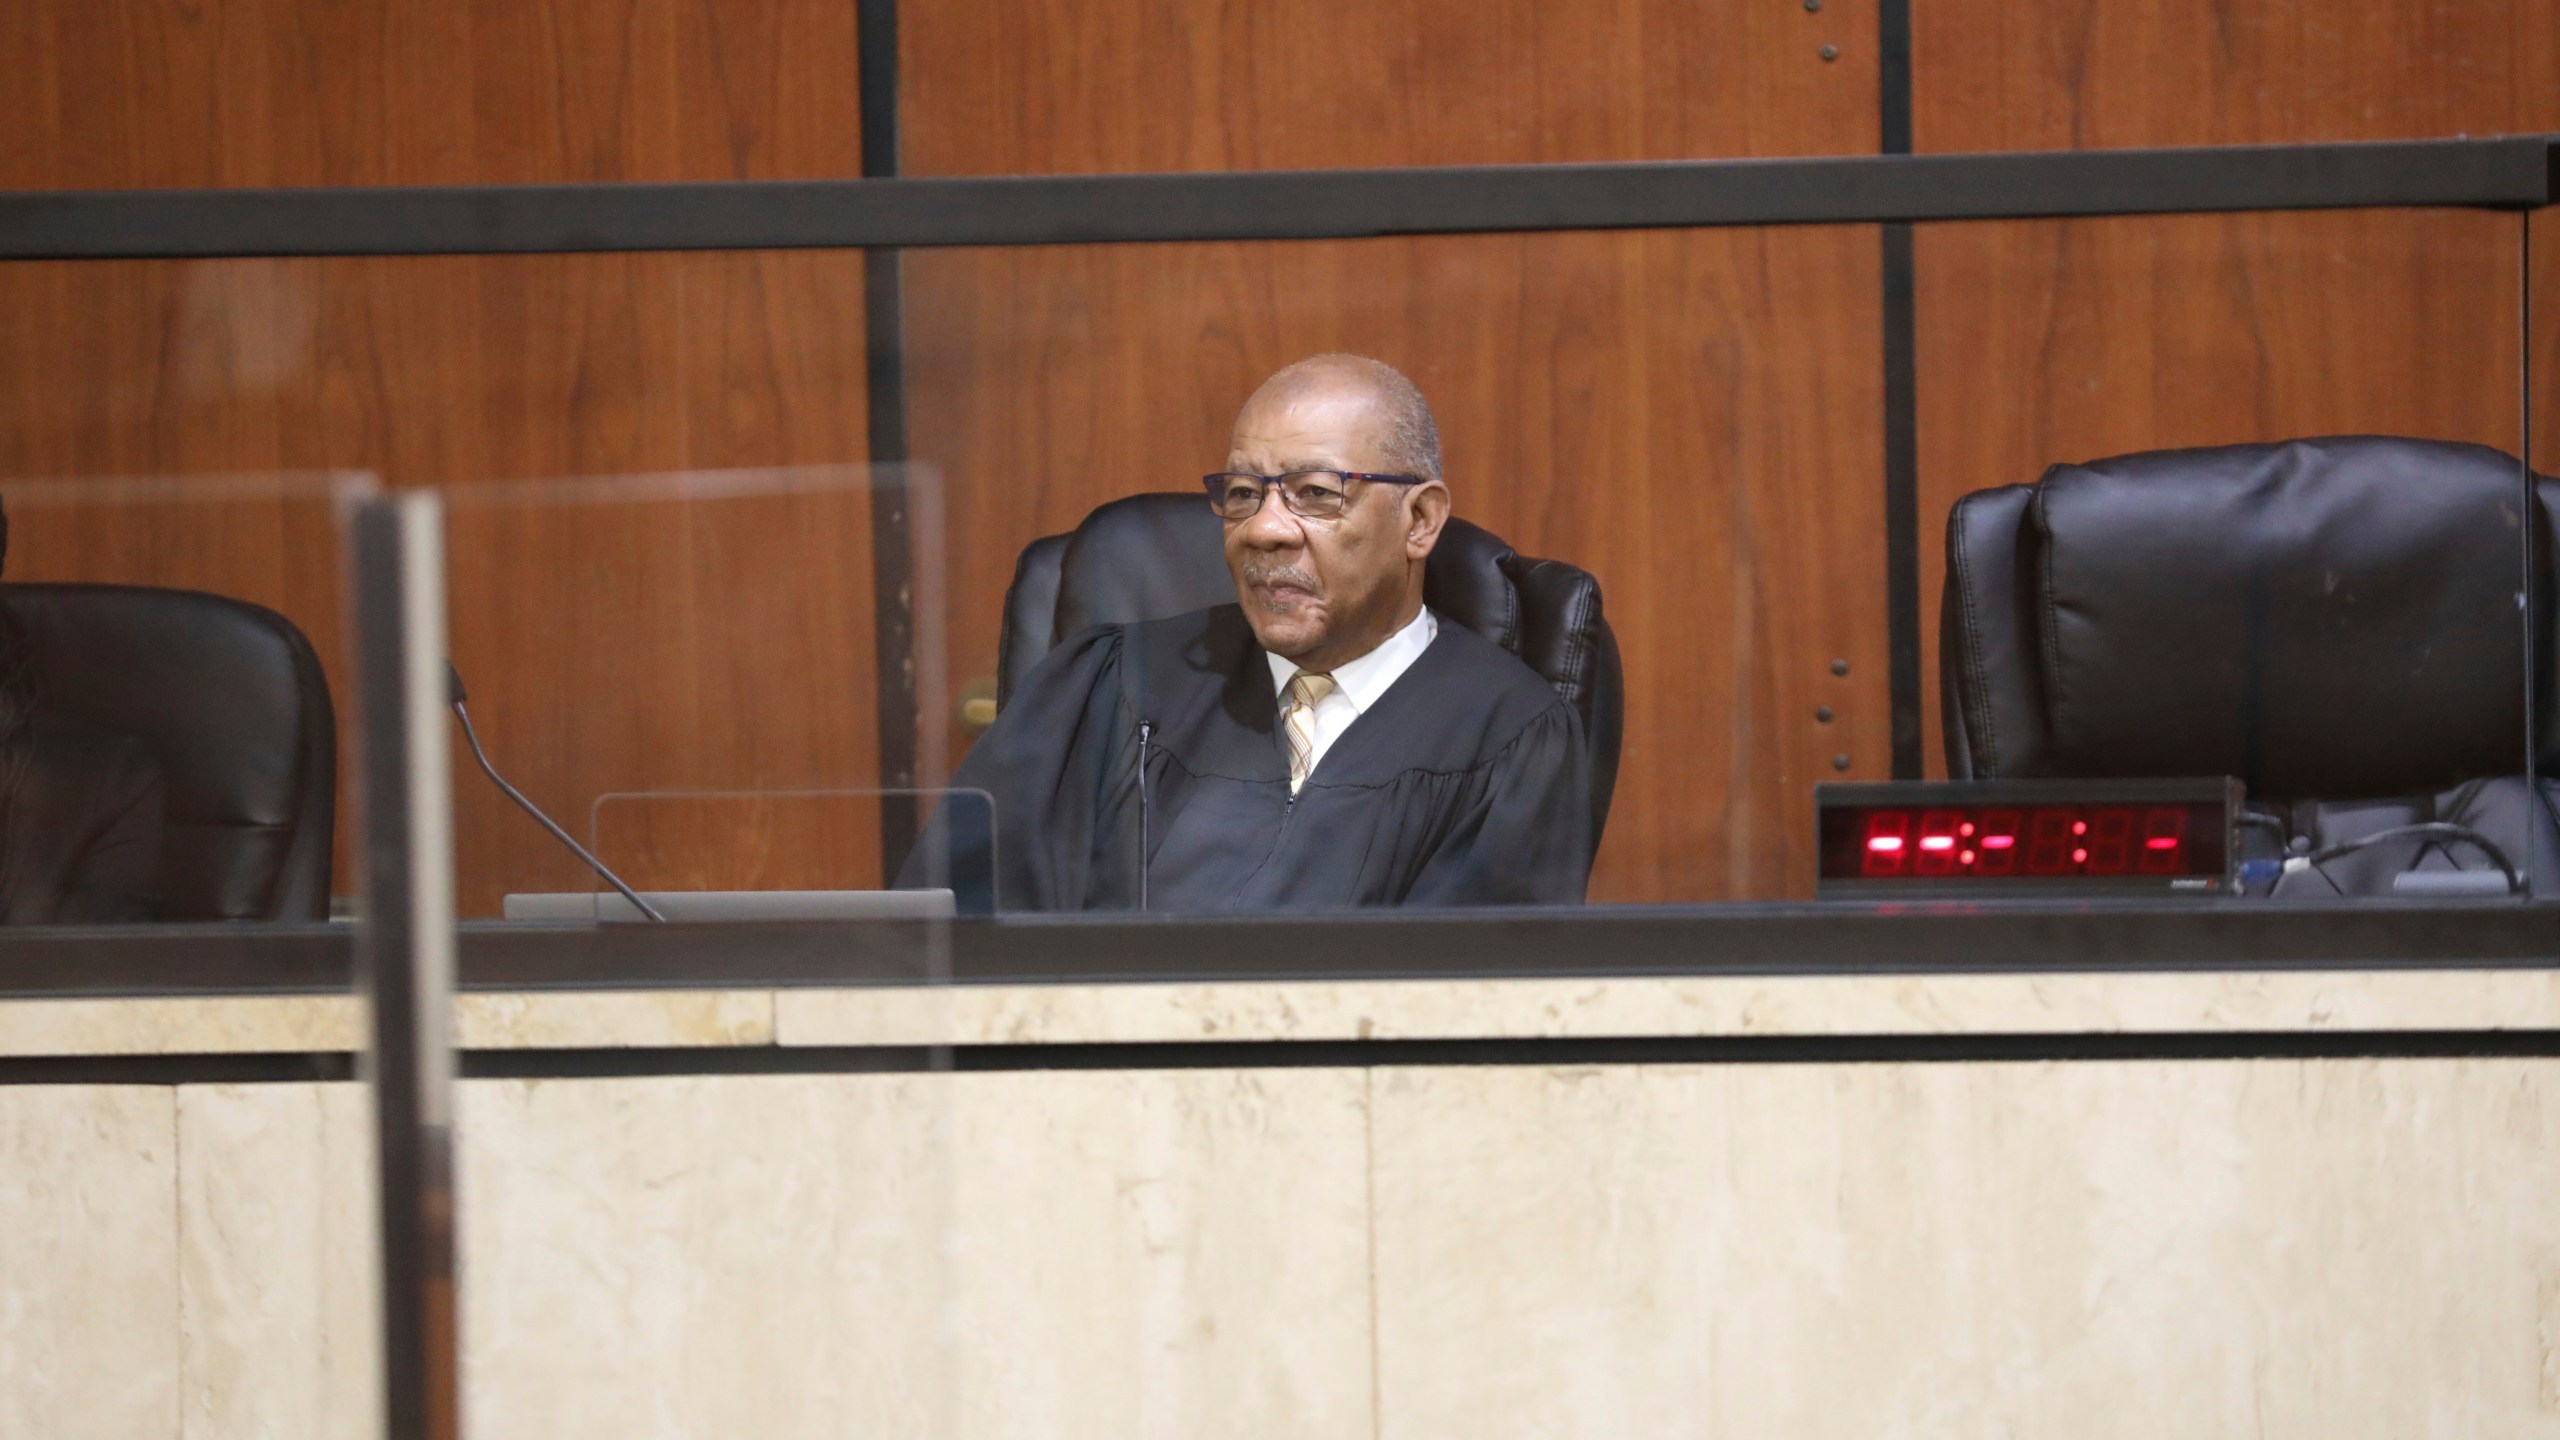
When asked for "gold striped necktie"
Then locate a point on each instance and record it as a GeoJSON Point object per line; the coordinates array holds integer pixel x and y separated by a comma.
{"type": "Point", "coordinates": [1306, 691]}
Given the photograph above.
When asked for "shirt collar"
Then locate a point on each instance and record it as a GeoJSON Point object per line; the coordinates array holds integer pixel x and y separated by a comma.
{"type": "Point", "coordinates": [1363, 680]}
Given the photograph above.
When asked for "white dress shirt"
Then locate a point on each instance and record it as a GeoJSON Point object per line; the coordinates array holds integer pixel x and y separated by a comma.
{"type": "Point", "coordinates": [1357, 684]}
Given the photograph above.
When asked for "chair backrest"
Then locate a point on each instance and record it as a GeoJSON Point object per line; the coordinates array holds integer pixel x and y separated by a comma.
{"type": "Point", "coordinates": [2322, 618]}
{"type": "Point", "coordinates": [1152, 556]}
{"type": "Point", "coordinates": [230, 701]}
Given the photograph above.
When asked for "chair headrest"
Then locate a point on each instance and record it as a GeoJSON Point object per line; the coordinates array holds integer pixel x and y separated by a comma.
{"type": "Point", "coordinates": [1469, 578]}
{"type": "Point", "coordinates": [2320, 617]}
{"type": "Point", "coordinates": [214, 688]}
{"type": "Point", "coordinates": [230, 701]}
{"type": "Point", "coordinates": [1141, 558]}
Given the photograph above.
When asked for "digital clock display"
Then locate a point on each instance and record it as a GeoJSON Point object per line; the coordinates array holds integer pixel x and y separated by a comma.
{"type": "Point", "coordinates": [2029, 837]}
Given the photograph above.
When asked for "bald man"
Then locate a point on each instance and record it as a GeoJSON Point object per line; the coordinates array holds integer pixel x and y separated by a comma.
{"type": "Point", "coordinates": [1326, 741]}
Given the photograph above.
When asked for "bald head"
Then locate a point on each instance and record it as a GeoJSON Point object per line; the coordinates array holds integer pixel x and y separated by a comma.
{"type": "Point", "coordinates": [1325, 587]}
{"type": "Point", "coordinates": [1400, 420]}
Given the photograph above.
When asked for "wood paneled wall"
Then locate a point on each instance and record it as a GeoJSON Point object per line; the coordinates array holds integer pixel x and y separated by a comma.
{"type": "Point", "coordinates": [664, 659]}
{"type": "Point", "coordinates": [139, 94]}
{"type": "Point", "coordinates": [2071, 340]}
{"type": "Point", "coordinates": [1693, 417]}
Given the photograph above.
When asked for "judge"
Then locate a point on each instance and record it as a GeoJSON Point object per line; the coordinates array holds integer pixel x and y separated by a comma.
{"type": "Point", "coordinates": [1324, 742]}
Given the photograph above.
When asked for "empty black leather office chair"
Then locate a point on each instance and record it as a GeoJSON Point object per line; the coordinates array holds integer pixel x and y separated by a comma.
{"type": "Point", "coordinates": [229, 699]}
{"type": "Point", "coordinates": [2333, 621]}
{"type": "Point", "coordinates": [1152, 556]}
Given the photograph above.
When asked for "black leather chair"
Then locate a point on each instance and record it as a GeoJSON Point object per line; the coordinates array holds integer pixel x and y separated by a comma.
{"type": "Point", "coordinates": [1150, 556]}
{"type": "Point", "coordinates": [2333, 621]}
{"type": "Point", "coordinates": [230, 700]}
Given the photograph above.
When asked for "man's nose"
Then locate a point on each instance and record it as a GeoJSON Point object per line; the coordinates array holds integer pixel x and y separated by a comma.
{"type": "Point", "coordinates": [1272, 526]}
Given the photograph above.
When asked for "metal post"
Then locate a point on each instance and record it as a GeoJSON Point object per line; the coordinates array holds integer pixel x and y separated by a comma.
{"type": "Point", "coordinates": [2529, 506]}
{"type": "Point", "coordinates": [406, 945]}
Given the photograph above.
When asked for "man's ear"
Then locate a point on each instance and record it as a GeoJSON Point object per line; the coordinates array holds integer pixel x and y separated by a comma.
{"type": "Point", "coordinates": [1423, 519]}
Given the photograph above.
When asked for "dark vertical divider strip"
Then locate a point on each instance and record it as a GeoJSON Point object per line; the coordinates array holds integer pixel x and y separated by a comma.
{"type": "Point", "coordinates": [1901, 408]}
{"type": "Point", "coordinates": [885, 366]}
{"type": "Point", "coordinates": [876, 38]}
{"type": "Point", "coordinates": [1901, 506]}
{"type": "Point", "coordinates": [2528, 504]}
{"type": "Point", "coordinates": [1893, 77]}
{"type": "Point", "coordinates": [406, 951]}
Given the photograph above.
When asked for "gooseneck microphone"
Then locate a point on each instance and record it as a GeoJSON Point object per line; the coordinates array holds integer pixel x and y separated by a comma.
{"type": "Point", "coordinates": [1146, 733]}
{"type": "Point", "coordinates": [456, 697]}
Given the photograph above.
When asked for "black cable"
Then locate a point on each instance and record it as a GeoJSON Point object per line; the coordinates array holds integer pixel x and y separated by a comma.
{"type": "Point", "coordinates": [2437, 830]}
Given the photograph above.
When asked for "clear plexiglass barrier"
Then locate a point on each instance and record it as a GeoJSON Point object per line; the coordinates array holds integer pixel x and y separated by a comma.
{"type": "Point", "coordinates": [708, 633]}
{"type": "Point", "coordinates": [2180, 499]}
{"type": "Point", "coordinates": [765, 854]}
{"type": "Point", "coordinates": [699, 689]}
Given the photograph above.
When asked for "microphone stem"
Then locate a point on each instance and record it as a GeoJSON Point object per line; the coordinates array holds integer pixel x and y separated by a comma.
{"type": "Point", "coordinates": [463, 714]}
{"type": "Point", "coordinates": [1146, 732]}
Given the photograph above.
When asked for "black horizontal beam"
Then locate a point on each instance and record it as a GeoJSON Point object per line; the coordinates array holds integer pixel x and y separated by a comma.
{"type": "Point", "coordinates": [625, 1062]}
{"type": "Point", "coordinates": [1822, 939]}
{"type": "Point", "coordinates": [2506, 173]}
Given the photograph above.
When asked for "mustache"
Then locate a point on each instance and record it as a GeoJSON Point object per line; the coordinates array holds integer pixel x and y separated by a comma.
{"type": "Point", "coordinates": [1257, 573]}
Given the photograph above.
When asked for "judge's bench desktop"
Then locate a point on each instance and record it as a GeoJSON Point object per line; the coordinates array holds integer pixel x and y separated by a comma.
{"type": "Point", "coordinates": [1204, 721]}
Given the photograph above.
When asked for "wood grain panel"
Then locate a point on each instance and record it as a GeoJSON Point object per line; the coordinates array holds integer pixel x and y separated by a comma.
{"type": "Point", "coordinates": [139, 94]}
{"type": "Point", "coordinates": [1695, 418]}
{"type": "Point", "coordinates": [1082, 86]}
{"type": "Point", "coordinates": [2103, 74]}
{"type": "Point", "coordinates": [726, 645]}
{"type": "Point", "coordinates": [2055, 341]}
{"type": "Point", "coordinates": [765, 841]}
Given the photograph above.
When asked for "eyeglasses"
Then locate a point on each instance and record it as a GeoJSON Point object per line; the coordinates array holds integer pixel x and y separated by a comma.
{"type": "Point", "coordinates": [1309, 494]}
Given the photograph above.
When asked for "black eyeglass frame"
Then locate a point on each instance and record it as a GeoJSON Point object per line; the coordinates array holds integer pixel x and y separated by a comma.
{"type": "Point", "coordinates": [1219, 482]}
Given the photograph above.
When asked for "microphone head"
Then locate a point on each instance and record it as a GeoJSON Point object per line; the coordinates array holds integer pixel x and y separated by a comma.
{"type": "Point", "coordinates": [454, 694]}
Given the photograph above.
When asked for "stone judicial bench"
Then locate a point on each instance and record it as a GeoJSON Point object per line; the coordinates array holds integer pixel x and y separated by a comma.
{"type": "Point", "coordinates": [1803, 1172]}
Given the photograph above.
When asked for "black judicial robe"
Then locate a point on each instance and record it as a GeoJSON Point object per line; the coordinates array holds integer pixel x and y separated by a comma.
{"type": "Point", "coordinates": [1467, 783]}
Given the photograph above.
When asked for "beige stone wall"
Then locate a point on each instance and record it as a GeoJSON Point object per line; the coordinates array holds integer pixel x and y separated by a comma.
{"type": "Point", "coordinates": [88, 1261]}
{"type": "Point", "coordinates": [2331, 1248]}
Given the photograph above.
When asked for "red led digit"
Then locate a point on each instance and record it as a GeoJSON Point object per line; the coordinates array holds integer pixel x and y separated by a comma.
{"type": "Point", "coordinates": [2049, 842]}
{"type": "Point", "coordinates": [1937, 843]}
{"type": "Point", "coordinates": [2164, 837]}
{"type": "Point", "coordinates": [2111, 840]}
{"type": "Point", "coordinates": [1997, 845]}
{"type": "Point", "coordinates": [1886, 852]}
